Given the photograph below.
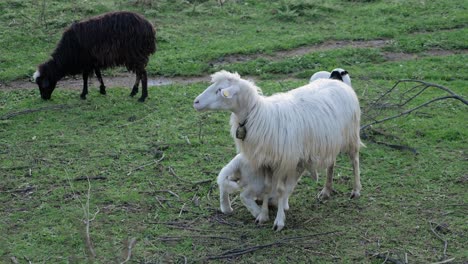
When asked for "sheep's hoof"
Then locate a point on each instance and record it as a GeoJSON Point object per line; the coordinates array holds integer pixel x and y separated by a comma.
{"type": "Point", "coordinates": [324, 194]}
{"type": "Point", "coordinates": [355, 195]}
{"type": "Point", "coordinates": [102, 91]}
{"type": "Point", "coordinates": [83, 97]}
{"type": "Point", "coordinates": [261, 219]}
{"type": "Point", "coordinates": [141, 100]}
{"type": "Point", "coordinates": [226, 210]}
{"type": "Point", "coordinates": [277, 227]}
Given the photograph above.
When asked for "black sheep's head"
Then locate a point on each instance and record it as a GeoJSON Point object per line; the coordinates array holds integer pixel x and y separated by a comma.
{"type": "Point", "coordinates": [45, 82]}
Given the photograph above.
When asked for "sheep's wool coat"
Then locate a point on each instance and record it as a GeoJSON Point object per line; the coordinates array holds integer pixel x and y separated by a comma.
{"type": "Point", "coordinates": [312, 123]}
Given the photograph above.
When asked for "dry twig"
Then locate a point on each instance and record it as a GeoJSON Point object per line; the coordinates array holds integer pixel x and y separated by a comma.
{"type": "Point", "coordinates": [443, 240]}
{"type": "Point", "coordinates": [128, 253]}
{"type": "Point", "coordinates": [145, 165]}
{"type": "Point", "coordinates": [27, 111]}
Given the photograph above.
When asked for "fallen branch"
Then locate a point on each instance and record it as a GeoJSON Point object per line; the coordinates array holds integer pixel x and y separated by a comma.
{"type": "Point", "coordinates": [443, 240]}
{"type": "Point", "coordinates": [128, 253]}
{"type": "Point", "coordinates": [282, 242]}
{"type": "Point", "coordinates": [145, 165]}
{"type": "Point", "coordinates": [424, 86]}
{"type": "Point", "coordinates": [27, 111]}
{"type": "Point", "coordinates": [90, 178]}
{"type": "Point", "coordinates": [385, 257]}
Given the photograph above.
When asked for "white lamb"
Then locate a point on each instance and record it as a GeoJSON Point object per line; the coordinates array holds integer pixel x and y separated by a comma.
{"type": "Point", "coordinates": [312, 123]}
{"type": "Point", "coordinates": [338, 74]}
{"type": "Point", "coordinates": [238, 174]}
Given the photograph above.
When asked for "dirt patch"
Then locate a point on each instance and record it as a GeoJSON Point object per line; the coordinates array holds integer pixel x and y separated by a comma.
{"type": "Point", "coordinates": [327, 45]}
{"type": "Point", "coordinates": [121, 80]}
{"type": "Point", "coordinates": [126, 79]}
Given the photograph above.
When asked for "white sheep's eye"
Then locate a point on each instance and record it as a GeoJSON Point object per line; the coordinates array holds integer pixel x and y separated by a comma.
{"type": "Point", "coordinates": [219, 90]}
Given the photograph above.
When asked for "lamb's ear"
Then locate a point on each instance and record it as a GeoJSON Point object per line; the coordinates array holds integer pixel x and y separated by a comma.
{"type": "Point", "coordinates": [230, 91]}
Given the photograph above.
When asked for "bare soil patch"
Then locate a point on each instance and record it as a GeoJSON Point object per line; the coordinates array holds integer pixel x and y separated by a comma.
{"type": "Point", "coordinates": [126, 79]}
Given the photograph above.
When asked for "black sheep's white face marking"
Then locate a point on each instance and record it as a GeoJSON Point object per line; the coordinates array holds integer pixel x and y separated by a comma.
{"type": "Point", "coordinates": [46, 87]}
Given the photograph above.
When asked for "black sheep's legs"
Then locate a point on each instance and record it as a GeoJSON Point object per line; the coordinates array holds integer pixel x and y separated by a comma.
{"type": "Point", "coordinates": [102, 88]}
{"type": "Point", "coordinates": [85, 85]}
{"type": "Point", "coordinates": [144, 86]}
{"type": "Point", "coordinates": [135, 86]}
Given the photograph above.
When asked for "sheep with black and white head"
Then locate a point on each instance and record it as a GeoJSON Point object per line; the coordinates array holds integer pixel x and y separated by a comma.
{"type": "Point", "coordinates": [337, 74]}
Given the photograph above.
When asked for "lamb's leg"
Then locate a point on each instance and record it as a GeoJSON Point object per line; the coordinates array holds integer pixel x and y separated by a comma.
{"type": "Point", "coordinates": [263, 215]}
{"type": "Point", "coordinates": [247, 198]}
{"type": "Point", "coordinates": [224, 189]}
{"type": "Point", "coordinates": [85, 85]}
{"type": "Point", "coordinates": [144, 86]}
{"type": "Point", "coordinates": [135, 86]}
{"type": "Point", "coordinates": [224, 202]}
{"type": "Point", "coordinates": [328, 189]}
{"type": "Point", "coordinates": [102, 87]}
{"type": "Point", "coordinates": [357, 178]}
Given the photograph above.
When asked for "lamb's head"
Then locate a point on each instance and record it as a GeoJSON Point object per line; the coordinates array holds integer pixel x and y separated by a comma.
{"type": "Point", "coordinates": [222, 94]}
{"type": "Point", "coordinates": [45, 81]}
{"type": "Point", "coordinates": [342, 75]}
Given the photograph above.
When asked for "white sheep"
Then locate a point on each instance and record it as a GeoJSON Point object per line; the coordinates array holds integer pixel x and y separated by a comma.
{"type": "Point", "coordinates": [312, 123]}
{"type": "Point", "coordinates": [238, 174]}
{"type": "Point", "coordinates": [338, 74]}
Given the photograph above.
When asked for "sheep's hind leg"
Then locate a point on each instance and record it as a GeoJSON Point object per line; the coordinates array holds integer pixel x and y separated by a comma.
{"type": "Point", "coordinates": [85, 85]}
{"type": "Point", "coordinates": [328, 189]}
{"type": "Point", "coordinates": [135, 86]}
{"type": "Point", "coordinates": [357, 178]}
{"type": "Point", "coordinates": [102, 87]}
{"type": "Point", "coordinates": [144, 86]}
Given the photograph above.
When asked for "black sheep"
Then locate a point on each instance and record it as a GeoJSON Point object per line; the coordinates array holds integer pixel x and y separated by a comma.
{"type": "Point", "coordinates": [109, 40]}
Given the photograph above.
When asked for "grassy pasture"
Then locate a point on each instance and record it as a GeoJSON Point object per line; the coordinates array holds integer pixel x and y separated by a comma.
{"type": "Point", "coordinates": [153, 166]}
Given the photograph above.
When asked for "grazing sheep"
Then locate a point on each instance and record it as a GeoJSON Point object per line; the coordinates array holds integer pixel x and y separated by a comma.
{"type": "Point", "coordinates": [238, 174]}
{"type": "Point", "coordinates": [109, 40]}
{"type": "Point", "coordinates": [338, 74]}
{"type": "Point", "coordinates": [312, 123]}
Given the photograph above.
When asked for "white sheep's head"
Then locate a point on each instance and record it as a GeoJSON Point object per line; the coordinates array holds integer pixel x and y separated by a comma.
{"type": "Point", "coordinates": [221, 94]}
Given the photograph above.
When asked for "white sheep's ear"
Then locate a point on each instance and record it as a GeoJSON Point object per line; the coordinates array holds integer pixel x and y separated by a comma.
{"type": "Point", "coordinates": [229, 92]}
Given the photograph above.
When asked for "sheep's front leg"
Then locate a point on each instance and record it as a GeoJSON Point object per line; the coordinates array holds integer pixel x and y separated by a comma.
{"type": "Point", "coordinates": [85, 85]}
{"type": "Point", "coordinates": [357, 178]}
{"type": "Point", "coordinates": [328, 189]}
{"type": "Point", "coordinates": [102, 87]}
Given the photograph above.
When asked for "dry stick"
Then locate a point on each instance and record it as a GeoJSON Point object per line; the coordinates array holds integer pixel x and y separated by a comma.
{"type": "Point", "coordinates": [172, 172]}
{"type": "Point", "coordinates": [87, 178]}
{"type": "Point", "coordinates": [427, 85]}
{"type": "Point", "coordinates": [87, 221]}
{"type": "Point", "coordinates": [409, 111]}
{"type": "Point", "coordinates": [238, 252]}
{"type": "Point", "coordinates": [129, 248]}
{"type": "Point", "coordinates": [443, 240]}
{"type": "Point", "coordinates": [445, 261]}
{"type": "Point", "coordinates": [145, 165]}
{"type": "Point", "coordinates": [385, 257]}
{"type": "Point", "coordinates": [27, 111]}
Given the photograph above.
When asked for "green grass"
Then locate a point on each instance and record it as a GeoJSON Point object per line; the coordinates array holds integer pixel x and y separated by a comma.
{"type": "Point", "coordinates": [154, 164]}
